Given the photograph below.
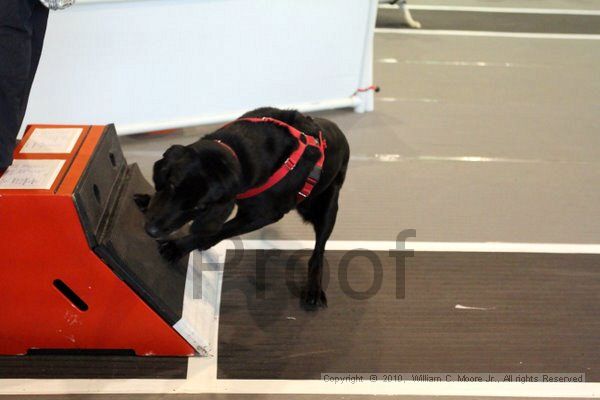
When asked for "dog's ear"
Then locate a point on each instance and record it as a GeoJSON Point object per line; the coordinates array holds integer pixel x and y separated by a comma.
{"type": "Point", "coordinates": [228, 176]}
{"type": "Point", "coordinates": [159, 174]}
{"type": "Point", "coordinates": [161, 171]}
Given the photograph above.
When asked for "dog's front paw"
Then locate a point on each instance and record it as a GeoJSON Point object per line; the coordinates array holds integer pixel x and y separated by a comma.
{"type": "Point", "coordinates": [313, 299]}
{"type": "Point", "coordinates": [204, 245]}
{"type": "Point", "coordinates": [169, 250]}
{"type": "Point", "coordinates": [142, 201]}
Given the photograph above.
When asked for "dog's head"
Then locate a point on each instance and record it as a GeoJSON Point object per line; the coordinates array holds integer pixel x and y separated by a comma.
{"type": "Point", "coordinates": [192, 184]}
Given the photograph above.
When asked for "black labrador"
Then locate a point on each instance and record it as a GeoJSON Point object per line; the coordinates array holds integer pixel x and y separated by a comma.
{"type": "Point", "coordinates": [198, 183]}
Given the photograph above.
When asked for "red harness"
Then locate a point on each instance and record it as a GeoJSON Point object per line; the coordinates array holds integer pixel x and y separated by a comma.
{"type": "Point", "coordinates": [303, 142]}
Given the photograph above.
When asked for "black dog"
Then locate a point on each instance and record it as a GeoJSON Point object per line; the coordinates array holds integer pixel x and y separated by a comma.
{"type": "Point", "coordinates": [200, 182]}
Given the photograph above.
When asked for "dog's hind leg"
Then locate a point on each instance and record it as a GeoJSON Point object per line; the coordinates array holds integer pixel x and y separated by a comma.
{"type": "Point", "coordinates": [321, 211]}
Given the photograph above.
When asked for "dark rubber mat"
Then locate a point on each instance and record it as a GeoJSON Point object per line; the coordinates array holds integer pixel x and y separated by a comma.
{"type": "Point", "coordinates": [495, 22]}
{"type": "Point", "coordinates": [239, 396]}
{"type": "Point", "coordinates": [92, 366]}
{"type": "Point", "coordinates": [538, 313]}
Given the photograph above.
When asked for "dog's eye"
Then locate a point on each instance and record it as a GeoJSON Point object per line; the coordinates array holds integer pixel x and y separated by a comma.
{"type": "Point", "coordinates": [200, 207]}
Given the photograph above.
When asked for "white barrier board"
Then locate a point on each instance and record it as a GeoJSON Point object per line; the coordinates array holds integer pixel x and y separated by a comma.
{"type": "Point", "coordinates": [158, 64]}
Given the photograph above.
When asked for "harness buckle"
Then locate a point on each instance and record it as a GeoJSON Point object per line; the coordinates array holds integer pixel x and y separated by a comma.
{"type": "Point", "coordinates": [289, 164]}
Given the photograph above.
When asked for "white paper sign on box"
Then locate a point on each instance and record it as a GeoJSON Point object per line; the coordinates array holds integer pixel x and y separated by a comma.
{"type": "Point", "coordinates": [31, 174]}
{"type": "Point", "coordinates": [52, 140]}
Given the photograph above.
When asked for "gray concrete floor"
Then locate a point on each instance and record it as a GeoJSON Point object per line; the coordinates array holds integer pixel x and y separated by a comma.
{"type": "Point", "coordinates": [525, 112]}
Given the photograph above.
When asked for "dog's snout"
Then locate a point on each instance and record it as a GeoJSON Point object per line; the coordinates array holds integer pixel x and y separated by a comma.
{"type": "Point", "coordinates": [152, 230]}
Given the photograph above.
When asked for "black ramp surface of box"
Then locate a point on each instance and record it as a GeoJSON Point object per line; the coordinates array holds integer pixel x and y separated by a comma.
{"type": "Point", "coordinates": [134, 255]}
{"type": "Point", "coordinates": [115, 229]}
{"type": "Point", "coordinates": [98, 186]}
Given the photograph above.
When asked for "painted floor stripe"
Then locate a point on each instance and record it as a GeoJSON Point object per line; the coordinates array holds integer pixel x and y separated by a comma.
{"type": "Point", "coordinates": [511, 10]}
{"type": "Point", "coordinates": [448, 63]}
{"type": "Point", "coordinates": [514, 35]}
{"type": "Point", "coordinates": [500, 247]}
{"type": "Point", "coordinates": [456, 159]}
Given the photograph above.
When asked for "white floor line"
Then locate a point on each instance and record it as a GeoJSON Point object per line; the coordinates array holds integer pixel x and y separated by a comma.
{"type": "Point", "coordinates": [514, 35]}
{"type": "Point", "coordinates": [512, 10]}
{"type": "Point", "coordinates": [463, 63]}
{"type": "Point", "coordinates": [202, 371]}
{"type": "Point", "coordinates": [500, 247]}
{"type": "Point", "coordinates": [461, 307]}
{"type": "Point", "coordinates": [403, 100]}
{"type": "Point", "coordinates": [399, 158]}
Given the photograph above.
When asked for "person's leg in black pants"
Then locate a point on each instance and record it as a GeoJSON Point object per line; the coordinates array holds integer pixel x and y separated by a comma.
{"type": "Point", "coordinates": [22, 30]}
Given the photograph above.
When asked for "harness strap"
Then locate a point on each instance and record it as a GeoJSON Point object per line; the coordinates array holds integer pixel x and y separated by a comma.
{"type": "Point", "coordinates": [315, 174]}
{"type": "Point", "coordinates": [289, 164]}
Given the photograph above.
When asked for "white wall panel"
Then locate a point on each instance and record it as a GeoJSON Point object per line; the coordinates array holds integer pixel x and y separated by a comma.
{"type": "Point", "coordinates": [156, 64]}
